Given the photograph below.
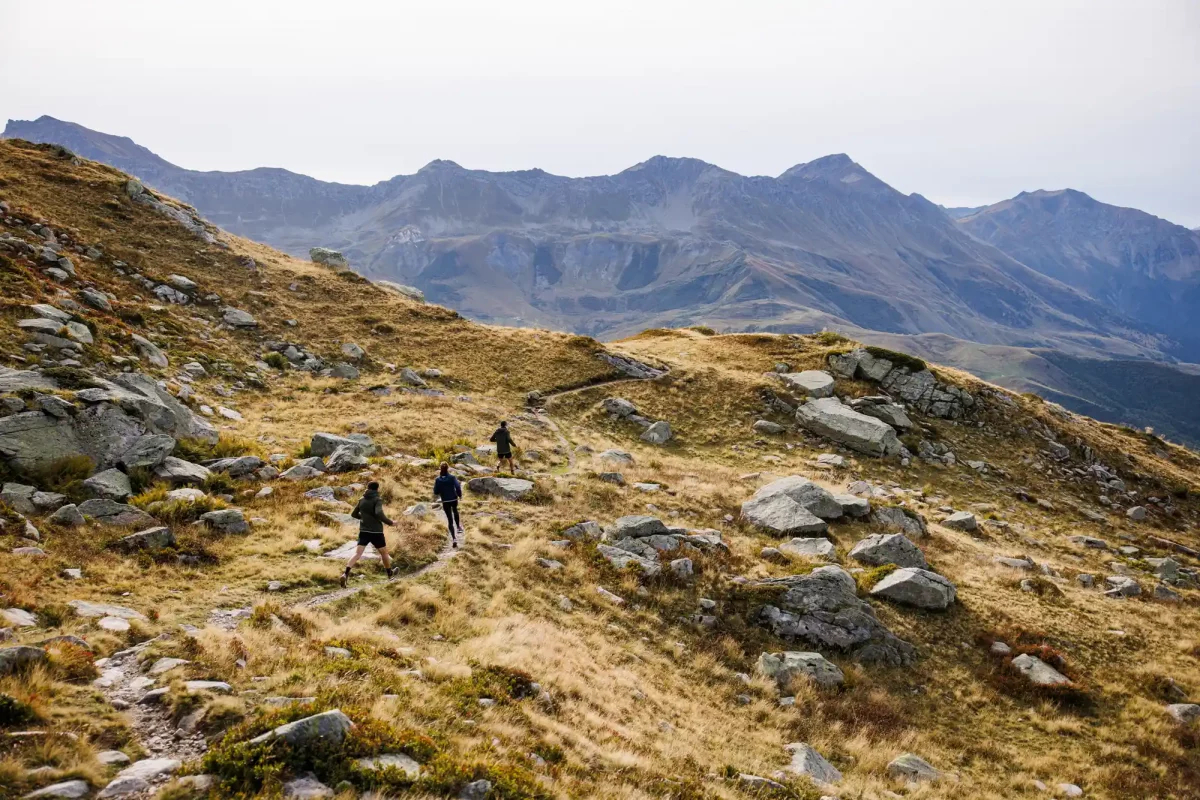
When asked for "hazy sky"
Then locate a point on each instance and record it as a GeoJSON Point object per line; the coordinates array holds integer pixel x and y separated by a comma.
{"type": "Point", "coordinates": [967, 102]}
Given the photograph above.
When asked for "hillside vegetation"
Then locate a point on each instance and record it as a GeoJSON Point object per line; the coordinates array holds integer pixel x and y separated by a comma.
{"type": "Point", "coordinates": [545, 657]}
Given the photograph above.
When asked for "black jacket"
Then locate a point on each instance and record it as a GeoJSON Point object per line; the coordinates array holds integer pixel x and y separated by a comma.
{"type": "Point", "coordinates": [369, 513]}
{"type": "Point", "coordinates": [504, 442]}
{"type": "Point", "coordinates": [447, 488]}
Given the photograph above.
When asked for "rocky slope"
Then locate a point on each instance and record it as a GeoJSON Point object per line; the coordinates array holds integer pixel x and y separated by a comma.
{"type": "Point", "coordinates": [669, 241]}
{"type": "Point", "coordinates": [1146, 268]}
{"type": "Point", "coordinates": [870, 575]}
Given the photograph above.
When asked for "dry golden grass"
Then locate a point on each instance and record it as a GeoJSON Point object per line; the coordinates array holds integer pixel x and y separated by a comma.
{"type": "Point", "coordinates": [643, 703]}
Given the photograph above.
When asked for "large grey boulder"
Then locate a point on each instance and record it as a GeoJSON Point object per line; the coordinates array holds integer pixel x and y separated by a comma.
{"type": "Point", "coordinates": [784, 667]}
{"type": "Point", "coordinates": [618, 407]}
{"type": "Point", "coordinates": [147, 451]}
{"type": "Point", "coordinates": [823, 608]}
{"type": "Point", "coordinates": [180, 472]}
{"type": "Point", "coordinates": [961, 521]}
{"type": "Point", "coordinates": [111, 484]}
{"type": "Point", "coordinates": [808, 762]}
{"type": "Point", "coordinates": [345, 458]}
{"type": "Point", "coordinates": [888, 548]}
{"type": "Point", "coordinates": [779, 514]}
{"type": "Point", "coordinates": [15, 659]}
{"type": "Point", "coordinates": [853, 505]}
{"type": "Point", "coordinates": [324, 444]}
{"type": "Point", "coordinates": [508, 488]}
{"type": "Point", "coordinates": [894, 518]}
{"type": "Point", "coordinates": [226, 520]}
{"type": "Point", "coordinates": [67, 516]}
{"type": "Point", "coordinates": [109, 512]}
{"type": "Point", "coordinates": [810, 549]}
{"type": "Point", "coordinates": [329, 727]}
{"type": "Point", "coordinates": [151, 539]}
{"type": "Point", "coordinates": [237, 318]}
{"type": "Point", "coordinates": [636, 526]}
{"type": "Point", "coordinates": [1038, 672]}
{"type": "Point", "coordinates": [813, 382]}
{"type": "Point", "coordinates": [236, 467]}
{"type": "Point", "coordinates": [1165, 568]}
{"type": "Point", "coordinates": [658, 433]}
{"type": "Point", "coordinates": [828, 417]}
{"type": "Point", "coordinates": [810, 495]}
{"type": "Point", "coordinates": [330, 258]}
{"type": "Point", "coordinates": [912, 768]}
{"type": "Point", "coordinates": [19, 497]}
{"type": "Point", "coordinates": [1121, 586]}
{"type": "Point", "coordinates": [913, 586]}
{"type": "Point", "coordinates": [116, 415]}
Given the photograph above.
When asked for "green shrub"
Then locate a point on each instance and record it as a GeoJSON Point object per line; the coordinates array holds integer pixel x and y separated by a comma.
{"type": "Point", "coordinates": [14, 712]}
{"type": "Point", "coordinates": [276, 360]}
{"type": "Point", "coordinates": [502, 684]}
{"type": "Point", "coordinates": [198, 450]}
{"type": "Point", "coordinates": [64, 475]}
{"type": "Point", "coordinates": [830, 338]}
{"type": "Point", "coordinates": [704, 330]}
{"type": "Point", "coordinates": [218, 483]}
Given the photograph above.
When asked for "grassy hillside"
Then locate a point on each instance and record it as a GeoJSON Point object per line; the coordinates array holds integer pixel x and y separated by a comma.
{"type": "Point", "coordinates": [647, 689]}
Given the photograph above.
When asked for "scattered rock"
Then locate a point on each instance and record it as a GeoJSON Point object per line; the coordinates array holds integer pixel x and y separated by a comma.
{"type": "Point", "coordinates": [236, 318]}
{"type": "Point", "coordinates": [152, 539]}
{"type": "Point", "coordinates": [784, 667]}
{"type": "Point", "coordinates": [895, 518]}
{"type": "Point", "coordinates": [108, 512]}
{"type": "Point", "coordinates": [226, 520]}
{"type": "Point", "coordinates": [21, 657]}
{"type": "Point", "coordinates": [961, 521]}
{"type": "Point", "coordinates": [507, 488]}
{"type": "Point", "coordinates": [1039, 672]}
{"type": "Point", "coordinates": [912, 768]}
{"type": "Point", "coordinates": [658, 433]}
{"type": "Point", "coordinates": [807, 761]}
{"type": "Point", "coordinates": [136, 778]}
{"type": "Point", "coordinates": [111, 484]}
{"type": "Point", "coordinates": [1185, 713]}
{"type": "Point", "coordinates": [815, 548]}
{"type": "Point", "coordinates": [1121, 586]}
{"type": "Point", "coordinates": [888, 548]}
{"type": "Point", "coordinates": [391, 761]}
{"type": "Point", "coordinates": [768, 428]}
{"type": "Point", "coordinates": [813, 382]}
{"type": "Point", "coordinates": [306, 787]}
{"type": "Point", "coordinates": [917, 587]}
{"type": "Point", "coordinates": [329, 726]}
{"type": "Point", "coordinates": [66, 789]}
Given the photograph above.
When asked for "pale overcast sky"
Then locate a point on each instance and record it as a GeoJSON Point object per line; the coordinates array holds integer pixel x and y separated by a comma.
{"type": "Point", "coordinates": [965, 101]}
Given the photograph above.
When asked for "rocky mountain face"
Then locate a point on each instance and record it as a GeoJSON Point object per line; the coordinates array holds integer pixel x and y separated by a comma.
{"type": "Point", "coordinates": [666, 242]}
{"type": "Point", "coordinates": [1142, 266]}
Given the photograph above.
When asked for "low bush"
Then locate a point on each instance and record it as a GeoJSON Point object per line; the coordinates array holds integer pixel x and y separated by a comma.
{"type": "Point", "coordinates": [14, 712]}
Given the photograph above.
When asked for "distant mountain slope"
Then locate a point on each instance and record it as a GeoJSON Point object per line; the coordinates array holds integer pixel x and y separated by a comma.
{"type": "Point", "coordinates": [667, 241]}
{"type": "Point", "coordinates": [1143, 266]}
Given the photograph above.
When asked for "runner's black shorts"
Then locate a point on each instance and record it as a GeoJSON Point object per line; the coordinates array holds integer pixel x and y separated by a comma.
{"type": "Point", "coordinates": [373, 538]}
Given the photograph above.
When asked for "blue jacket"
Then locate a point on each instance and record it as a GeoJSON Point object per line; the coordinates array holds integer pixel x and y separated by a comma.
{"type": "Point", "coordinates": [447, 488]}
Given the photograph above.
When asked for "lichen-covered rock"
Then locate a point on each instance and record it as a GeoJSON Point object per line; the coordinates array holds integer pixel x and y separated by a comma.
{"type": "Point", "coordinates": [109, 512]}
{"type": "Point", "coordinates": [330, 258]}
{"type": "Point", "coordinates": [823, 608]}
{"type": "Point", "coordinates": [919, 388]}
{"type": "Point", "coordinates": [894, 518]}
{"type": "Point", "coordinates": [784, 667]}
{"type": "Point", "coordinates": [151, 539]}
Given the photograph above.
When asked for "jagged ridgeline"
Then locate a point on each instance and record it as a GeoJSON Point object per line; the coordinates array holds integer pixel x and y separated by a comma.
{"type": "Point", "coordinates": [725, 566]}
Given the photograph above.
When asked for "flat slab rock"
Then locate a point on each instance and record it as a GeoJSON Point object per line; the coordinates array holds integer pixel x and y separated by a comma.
{"type": "Point", "coordinates": [784, 667]}
{"type": "Point", "coordinates": [828, 417]}
{"type": "Point", "coordinates": [1039, 672]}
{"type": "Point", "coordinates": [507, 488]}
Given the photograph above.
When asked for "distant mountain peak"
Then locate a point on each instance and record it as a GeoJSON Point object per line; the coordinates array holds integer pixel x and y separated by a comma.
{"type": "Point", "coordinates": [442, 164]}
{"type": "Point", "coordinates": [834, 168]}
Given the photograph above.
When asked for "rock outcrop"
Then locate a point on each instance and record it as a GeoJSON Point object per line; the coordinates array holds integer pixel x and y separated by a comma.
{"type": "Point", "coordinates": [919, 388]}
{"type": "Point", "coordinates": [823, 608]}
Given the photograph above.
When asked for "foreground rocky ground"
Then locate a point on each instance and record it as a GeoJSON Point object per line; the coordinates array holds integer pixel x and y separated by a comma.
{"type": "Point", "coordinates": [727, 566]}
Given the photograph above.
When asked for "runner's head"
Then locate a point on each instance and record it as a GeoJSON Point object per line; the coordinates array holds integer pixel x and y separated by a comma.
{"type": "Point", "coordinates": [503, 424]}
{"type": "Point", "coordinates": [373, 486]}
{"type": "Point", "coordinates": [445, 468]}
